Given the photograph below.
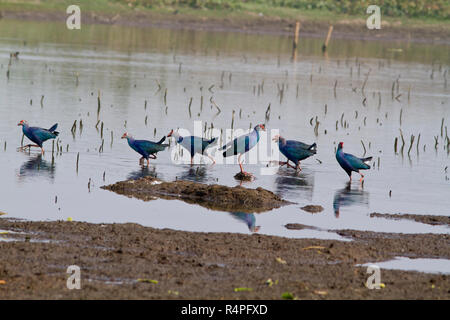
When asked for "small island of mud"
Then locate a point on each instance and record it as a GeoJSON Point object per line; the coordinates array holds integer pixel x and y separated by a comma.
{"type": "Point", "coordinates": [216, 197]}
{"type": "Point", "coordinates": [312, 208]}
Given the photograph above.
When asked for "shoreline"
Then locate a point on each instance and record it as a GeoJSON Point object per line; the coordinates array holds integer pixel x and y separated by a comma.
{"type": "Point", "coordinates": [351, 29]}
{"type": "Point", "coordinates": [129, 261]}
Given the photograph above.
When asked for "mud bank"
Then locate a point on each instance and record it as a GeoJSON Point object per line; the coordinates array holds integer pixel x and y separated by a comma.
{"type": "Point", "coordinates": [214, 197]}
{"type": "Point", "coordinates": [185, 265]}
{"type": "Point", "coordinates": [353, 29]}
{"type": "Point", "coordinates": [428, 219]}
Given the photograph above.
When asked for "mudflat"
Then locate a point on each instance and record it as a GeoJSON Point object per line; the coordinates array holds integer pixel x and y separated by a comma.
{"type": "Point", "coordinates": [129, 261]}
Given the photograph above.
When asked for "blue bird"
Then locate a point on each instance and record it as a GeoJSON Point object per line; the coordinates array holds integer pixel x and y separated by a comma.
{"type": "Point", "coordinates": [294, 151]}
{"type": "Point", "coordinates": [243, 144]}
{"type": "Point", "coordinates": [147, 149]}
{"type": "Point", "coordinates": [194, 144]}
{"type": "Point", "coordinates": [37, 135]}
{"type": "Point", "coordinates": [350, 163]}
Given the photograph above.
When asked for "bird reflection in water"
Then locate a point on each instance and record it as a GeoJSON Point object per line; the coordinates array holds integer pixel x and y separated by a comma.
{"type": "Point", "coordinates": [289, 183]}
{"type": "Point", "coordinates": [37, 166]}
{"type": "Point", "coordinates": [196, 174]}
{"type": "Point", "coordinates": [348, 197]}
{"type": "Point", "coordinates": [143, 172]}
{"type": "Point", "coordinates": [248, 218]}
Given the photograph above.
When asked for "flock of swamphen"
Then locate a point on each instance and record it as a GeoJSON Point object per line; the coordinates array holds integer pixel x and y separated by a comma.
{"type": "Point", "coordinates": [294, 151]}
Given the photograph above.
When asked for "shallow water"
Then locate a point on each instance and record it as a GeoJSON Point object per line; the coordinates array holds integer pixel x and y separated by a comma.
{"type": "Point", "coordinates": [126, 65]}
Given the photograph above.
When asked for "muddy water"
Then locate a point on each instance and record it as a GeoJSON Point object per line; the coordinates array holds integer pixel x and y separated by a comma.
{"type": "Point", "coordinates": [132, 68]}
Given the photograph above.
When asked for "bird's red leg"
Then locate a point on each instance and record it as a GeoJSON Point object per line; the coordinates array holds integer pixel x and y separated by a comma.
{"type": "Point", "coordinates": [240, 164]}
{"type": "Point", "coordinates": [281, 163]}
{"type": "Point", "coordinates": [297, 167]}
{"type": "Point", "coordinates": [148, 162]}
{"type": "Point", "coordinates": [42, 151]}
{"type": "Point", "coordinates": [212, 159]}
{"type": "Point", "coordinates": [291, 166]}
{"type": "Point", "coordinates": [29, 146]}
{"type": "Point", "coordinates": [242, 169]}
{"type": "Point", "coordinates": [192, 160]}
{"type": "Point", "coordinates": [24, 147]}
{"type": "Point", "coordinates": [362, 177]}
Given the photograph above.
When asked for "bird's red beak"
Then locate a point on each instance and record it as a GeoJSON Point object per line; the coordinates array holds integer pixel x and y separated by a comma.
{"type": "Point", "coordinates": [170, 133]}
{"type": "Point", "coordinates": [124, 135]}
{"type": "Point", "coordinates": [20, 123]}
{"type": "Point", "coordinates": [263, 127]}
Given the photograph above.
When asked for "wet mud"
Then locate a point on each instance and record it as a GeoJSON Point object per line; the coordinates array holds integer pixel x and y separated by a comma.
{"type": "Point", "coordinates": [216, 197]}
{"type": "Point", "coordinates": [427, 219]}
{"type": "Point", "coordinates": [312, 208]}
{"type": "Point", "coordinates": [129, 261]}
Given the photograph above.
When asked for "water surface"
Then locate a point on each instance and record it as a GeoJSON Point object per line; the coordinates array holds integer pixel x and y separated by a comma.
{"type": "Point", "coordinates": [132, 68]}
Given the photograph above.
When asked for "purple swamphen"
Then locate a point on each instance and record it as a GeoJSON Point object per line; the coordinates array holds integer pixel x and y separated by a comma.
{"type": "Point", "coordinates": [294, 151]}
{"type": "Point", "coordinates": [242, 144]}
{"type": "Point", "coordinates": [194, 144]}
{"type": "Point", "coordinates": [147, 149]}
{"type": "Point", "coordinates": [350, 163]}
{"type": "Point", "coordinates": [37, 135]}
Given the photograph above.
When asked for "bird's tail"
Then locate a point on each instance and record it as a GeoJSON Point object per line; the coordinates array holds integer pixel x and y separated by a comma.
{"type": "Point", "coordinates": [162, 140]}
{"type": "Point", "coordinates": [313, 147]}
{"type": "Point", "coordinates": [53, 128]}
{"type": "Point", "coordinates": [366, 160]}
{"type": "Point", "coordinates": [212, 142]}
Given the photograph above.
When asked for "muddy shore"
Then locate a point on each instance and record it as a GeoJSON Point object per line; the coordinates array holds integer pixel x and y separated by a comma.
{"type": "Point", "coordinates": [427, 219]}
{"type": "Point", "coordinates": [352, 29]}
{"type": "Point", "coordinates": [186, 265]}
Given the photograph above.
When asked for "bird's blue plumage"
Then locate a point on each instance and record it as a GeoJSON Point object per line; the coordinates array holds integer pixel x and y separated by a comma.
{"type": "Point", "coordinates": [350, 163]}
{"type": "Point", "coordinates": [295, 150]}
{"type": "Point", "coordinates": [195, 144]}
{"type": "Point", "coordinates": [146, 148]}
{"type": "Point", "coordinates": [39, 135]}
{"type": "Point", "coordinates": [242, 144]}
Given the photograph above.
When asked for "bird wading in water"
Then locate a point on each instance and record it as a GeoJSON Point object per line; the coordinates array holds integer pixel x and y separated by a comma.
{"type": "Point", "coordinates": [37, 135]}
{"type": "Point", "coordinates": [194, 144]}
{"type": "Point", "coordinates": [147, 149]}
{"type": "Point", "coordinates": [243, 144]}
{"type": "Point", "coordinates": [294, 151]}
{"type": "Point", "coordinates": [350, 163]}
